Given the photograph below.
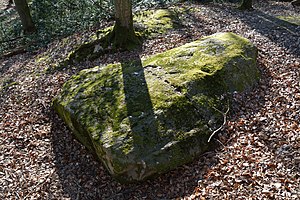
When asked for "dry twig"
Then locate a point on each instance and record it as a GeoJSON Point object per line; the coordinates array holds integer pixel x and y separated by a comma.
{"type": "Point", "coordinates": [224, 122]}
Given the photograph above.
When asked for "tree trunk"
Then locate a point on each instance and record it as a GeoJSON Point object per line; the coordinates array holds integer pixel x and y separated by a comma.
{"type": "Point", "coordinates": [246, 5]}
{"type": "Point", "coordinates": [123, 32]}
{"type": "Point", "coordinates": [24, 13]}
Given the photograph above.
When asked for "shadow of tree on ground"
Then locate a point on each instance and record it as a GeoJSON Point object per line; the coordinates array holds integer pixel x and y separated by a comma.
{"type": "Point", "coordinates": [83, 177]}
{"type": "Point", "coordinates": [269, 26]}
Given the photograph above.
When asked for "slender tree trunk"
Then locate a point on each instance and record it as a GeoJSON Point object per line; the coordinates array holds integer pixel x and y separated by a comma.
{"type": "Point", "coordinates": [246, 5]}
{"type": "Point", "coordinates": [123, 33]}
{"type": "Point", "coordinates": [24, 13]}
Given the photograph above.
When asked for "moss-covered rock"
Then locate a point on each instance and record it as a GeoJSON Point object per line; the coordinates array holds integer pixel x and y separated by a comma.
{"type": "Point", "coordinates": [295, 20]}
{"type": "Point", "coordinates": [148, 116]}
{"type": "Point", "coordinates": [153, 22]}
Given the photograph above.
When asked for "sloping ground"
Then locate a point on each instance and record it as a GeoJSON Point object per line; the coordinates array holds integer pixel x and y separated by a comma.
{"type": "Point", "coordinates": [259, 156]}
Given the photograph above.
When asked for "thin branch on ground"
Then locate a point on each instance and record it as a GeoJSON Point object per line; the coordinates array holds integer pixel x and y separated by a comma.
{"type": "Point", "coordinates": [224, 122]}
{"type": "Point", "coordinates": [13, 53]}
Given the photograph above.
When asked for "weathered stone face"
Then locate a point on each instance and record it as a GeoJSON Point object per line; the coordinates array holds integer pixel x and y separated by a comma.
{"type": "Point", "coordinates": [147, 117]}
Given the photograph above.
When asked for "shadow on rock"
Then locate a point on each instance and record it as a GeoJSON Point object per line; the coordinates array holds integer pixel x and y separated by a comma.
{"type": "Point", "coordinates": [82, 176]}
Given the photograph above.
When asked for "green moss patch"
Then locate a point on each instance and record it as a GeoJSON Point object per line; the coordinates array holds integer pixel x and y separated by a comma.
{"type": "Point", "coordinates": [291, 19]}
{"type": "Point", "coordinates": [148, 116]}
{"type": "Point", "coordinates": [153, 22]}
{"type": "Point", "coordinates": [147, 23]}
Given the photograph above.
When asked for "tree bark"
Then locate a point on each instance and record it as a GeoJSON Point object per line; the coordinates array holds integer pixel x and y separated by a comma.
{"type": "Point", "coordinates": [123, 32]}
{"type": "Point", "coordinates": [24, 13]}
{"type": "Point", "coordinates": [246, 5]}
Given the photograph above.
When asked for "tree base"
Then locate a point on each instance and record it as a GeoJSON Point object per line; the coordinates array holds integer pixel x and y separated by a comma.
{"type": "Point", "coordinates": [112, 41]}
{"type": "Point", "coordinates": [123, 39]}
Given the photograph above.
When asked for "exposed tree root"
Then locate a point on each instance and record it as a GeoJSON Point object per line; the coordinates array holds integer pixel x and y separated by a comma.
{"type": "Point", "coordinates": [14, 52]}
{"type": "Point", "coordinates": [111, 41]}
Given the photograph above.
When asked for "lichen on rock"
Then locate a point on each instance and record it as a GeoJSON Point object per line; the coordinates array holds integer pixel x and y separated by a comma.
{"type": "Point", "coordinates": [148, 116]}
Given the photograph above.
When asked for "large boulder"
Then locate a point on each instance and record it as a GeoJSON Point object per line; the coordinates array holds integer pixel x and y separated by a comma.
{"type": "Point", "coordinates": [148, 116]}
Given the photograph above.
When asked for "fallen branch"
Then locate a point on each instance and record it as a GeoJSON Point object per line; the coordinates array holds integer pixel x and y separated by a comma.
{"type": "Point", "coordinates": [13, 53]}
{"type": "Point", "coordinates": [10, 40]}
{"type": "Point", "coordinates": [224, 122]}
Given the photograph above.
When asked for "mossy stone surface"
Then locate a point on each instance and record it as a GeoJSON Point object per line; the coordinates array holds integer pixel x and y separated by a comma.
{"type": "Point", "coordinates": [153, 22]}
{"type": "Point", "coordinates": [149, 116]}
{"type": "Point", "coordinates": [295, 20]}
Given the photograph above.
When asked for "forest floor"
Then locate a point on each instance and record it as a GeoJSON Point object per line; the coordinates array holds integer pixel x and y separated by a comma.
{"type": "Point", "coordinates": [259, 154]}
